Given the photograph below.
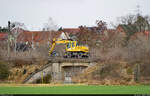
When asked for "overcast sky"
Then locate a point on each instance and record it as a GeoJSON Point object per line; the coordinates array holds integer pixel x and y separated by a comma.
{"type": "Point", "coordinates": [67, 13]}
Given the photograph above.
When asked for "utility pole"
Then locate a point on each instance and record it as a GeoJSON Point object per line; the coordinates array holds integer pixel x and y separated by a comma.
{"type": "Point", "coordinates": [8, 39]}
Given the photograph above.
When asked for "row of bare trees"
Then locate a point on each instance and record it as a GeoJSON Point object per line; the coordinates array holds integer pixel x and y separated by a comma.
{"type": "Point", "coordinates": [17, 48]}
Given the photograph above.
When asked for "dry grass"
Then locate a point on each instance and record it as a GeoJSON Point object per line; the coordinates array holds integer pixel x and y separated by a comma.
{"type": "Point", "coordinates": [49, 85]}
{"type": "Point", "coordinates": [17, 72]}
{"type": "Point", "coordinates": [107, 73]}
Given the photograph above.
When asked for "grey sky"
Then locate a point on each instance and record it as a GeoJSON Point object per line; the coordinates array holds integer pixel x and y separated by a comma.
{"type": "Point", "coordinates": [67, 13]}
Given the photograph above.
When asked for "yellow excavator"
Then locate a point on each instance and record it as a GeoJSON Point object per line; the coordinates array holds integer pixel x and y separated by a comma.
{"type": "Point", "coordinates": [73, 50]}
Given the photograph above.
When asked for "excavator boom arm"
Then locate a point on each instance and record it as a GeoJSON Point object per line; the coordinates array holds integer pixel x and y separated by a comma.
{"type": "Point", "coordinates": [52, 48]}
{"type": "Point", "coordinates": [54, 44]}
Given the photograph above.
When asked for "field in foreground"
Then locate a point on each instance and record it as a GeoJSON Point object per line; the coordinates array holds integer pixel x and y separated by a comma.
{"type": "Point", "coordinates": [75, 89]}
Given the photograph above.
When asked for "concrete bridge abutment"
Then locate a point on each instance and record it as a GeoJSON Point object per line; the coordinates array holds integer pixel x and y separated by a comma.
{"type": "Point", "coordinates": [63, 70]}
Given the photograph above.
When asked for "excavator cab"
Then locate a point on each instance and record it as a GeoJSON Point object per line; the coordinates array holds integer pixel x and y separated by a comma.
{"type": "Point", "coordinates": [71, 44]}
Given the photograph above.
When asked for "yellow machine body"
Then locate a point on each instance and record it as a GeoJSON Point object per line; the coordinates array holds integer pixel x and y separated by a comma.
{"type": "Point", "coordinates": [71, 47]}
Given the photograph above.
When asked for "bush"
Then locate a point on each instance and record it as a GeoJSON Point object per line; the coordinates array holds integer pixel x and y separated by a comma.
{"type": "Point", "coordinates": [4, 70]}
{"type": "Point", "coordinates": [21, 62]}
{"type": "Point", "coordinates": [110, 70]}
{"type": "Point", "coordinates": [46, 79]}
{"type": "Point", "coordinates": [129, 71]}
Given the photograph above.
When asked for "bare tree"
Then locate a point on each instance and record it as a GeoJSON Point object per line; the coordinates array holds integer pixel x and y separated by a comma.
{"type": "Point", "coordinates": [16, 28]}
{"type": "Point", "coordinates": [141, 22]}
{"type": "Point", "coordinates": [50, 25]}
{"type": "Point", "coordinates": [101, 24]}
{"type": "Point", "coordinates": [128, 19]}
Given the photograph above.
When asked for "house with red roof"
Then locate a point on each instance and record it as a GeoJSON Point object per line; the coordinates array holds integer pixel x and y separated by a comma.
{"type": "Point", "coordinates": [33, 37]}
{"type": "Point", "coordinates": [36, 38]}
{"type": "Point", "coordinates": [3, 36]}
{"type": "Point", "coordinates": [71, 31]}
{"type": "Point", "coordinates": [147, 33]}
{"type": "Point", "coordinates": [144, 35]}
{"type": "Point", "coordinates": [3, 40]}
{"type": "Point", "coordinates": [126, 29]}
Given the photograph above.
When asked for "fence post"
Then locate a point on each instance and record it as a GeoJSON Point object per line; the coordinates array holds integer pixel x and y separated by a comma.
{"type": "Point", "coordinates": [137, 73]}
{"type": "Point", "coordinates": [42, 76]}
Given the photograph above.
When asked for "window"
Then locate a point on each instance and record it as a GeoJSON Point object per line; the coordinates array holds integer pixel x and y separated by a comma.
{"type": "Point", "coordinates": [68, 45]}
{"type": "Point", "coordinates": [72, 44]}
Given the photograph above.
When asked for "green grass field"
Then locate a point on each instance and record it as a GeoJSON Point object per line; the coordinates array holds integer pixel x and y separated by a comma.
{"type": "Point", "coordinates": [71, 89]}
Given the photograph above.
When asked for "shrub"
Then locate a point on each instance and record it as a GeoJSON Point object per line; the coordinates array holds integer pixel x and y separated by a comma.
{"type": "Point", "coordinates": [129, 71]}
{"type": "Point", "coordinates": [4, 70]}
{"type": "Point", "coordinates": [46, 79]}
